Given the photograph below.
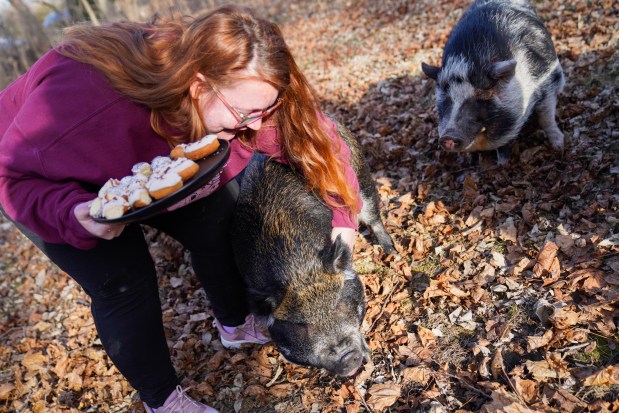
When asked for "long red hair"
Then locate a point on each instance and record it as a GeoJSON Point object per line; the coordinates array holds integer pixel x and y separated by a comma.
{"type": "Point", "coordinates": [155, 63]}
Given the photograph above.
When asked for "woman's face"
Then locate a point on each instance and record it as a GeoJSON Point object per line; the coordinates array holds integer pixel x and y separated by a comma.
{"type": "Point", "coordinates": [248, 97]}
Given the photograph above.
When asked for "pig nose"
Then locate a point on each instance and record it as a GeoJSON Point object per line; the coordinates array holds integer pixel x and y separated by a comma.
{"type": "Point", "coordinates": [351, 361]}
{"type": "Point", "coordinates": [451, 144]}
{"type": "Point", "coordinates": [450, 141]}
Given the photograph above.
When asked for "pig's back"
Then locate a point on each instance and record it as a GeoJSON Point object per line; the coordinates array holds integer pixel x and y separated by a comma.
{"type": "Point", "coordinates": [277, 220]}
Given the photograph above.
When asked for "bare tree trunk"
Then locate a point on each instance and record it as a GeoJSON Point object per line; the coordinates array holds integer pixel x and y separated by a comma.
{"type": "Point", "coordinates": [91, 13]}
{"type": "Point", "coordinates": [31, 29]}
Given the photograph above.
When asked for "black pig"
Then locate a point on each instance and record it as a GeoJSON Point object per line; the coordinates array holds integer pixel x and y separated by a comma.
{"type": "Point", "coordinates": [297, 277]}
{"type": "Point", "coordinates": [499, 66]}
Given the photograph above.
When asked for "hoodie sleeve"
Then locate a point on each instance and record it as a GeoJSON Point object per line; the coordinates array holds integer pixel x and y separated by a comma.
{"type": "Point", "coordinates": [47, 209]}
{"type": "Point", "coordinates": [63, 133]}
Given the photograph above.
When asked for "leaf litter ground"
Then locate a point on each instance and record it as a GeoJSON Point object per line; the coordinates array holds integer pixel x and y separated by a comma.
{"type": "Point", "coordinates": [504, 297]}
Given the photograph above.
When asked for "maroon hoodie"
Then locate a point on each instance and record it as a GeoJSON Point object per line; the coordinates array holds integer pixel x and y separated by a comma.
{"type": "Point", "coordinates": [64, 131]}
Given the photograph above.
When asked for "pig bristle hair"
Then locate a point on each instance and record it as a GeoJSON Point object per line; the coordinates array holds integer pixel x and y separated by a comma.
{"type": "Point", "coordinates": [456, 66]}
{"type": "Point", "coordinates": [350, 275]}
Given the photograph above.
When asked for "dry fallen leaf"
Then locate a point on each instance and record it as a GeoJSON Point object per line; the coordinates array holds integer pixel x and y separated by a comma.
{"type": "Point", "coordinates": [5, 390]}
{"type": "Point", "coordinates": [426, 336]}
{"type": "Point", "coordinates": [507, 231]}
{"type": "Point", "coordinates": [608, 376]}
{"type": "Point", "coordinates": [486, 223]}
{"type": "Point", "coordinates": [564, 317]}
{"type": "Point", "coordinates": [547, 261]}
{"type": "Point", "coordinates": [504, 402]}
{"type": "Point", "coordinates": [542, 371]}
{"type": "Point", "coordinates": [497, 366]}
{"type": "Point", "coordinates": [418, 374]}
{"type": "Point", "coordinates": [383, 395]}
{"type": "Point", "coordinates": [34, 361]}
{"type": "Point", "coordinates": [527, 389]}
{"type": "Point", "coordinates": [535, 342]}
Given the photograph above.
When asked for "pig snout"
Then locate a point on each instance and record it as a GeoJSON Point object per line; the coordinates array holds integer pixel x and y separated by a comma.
{"type": "Point", "coordinates": [451, 141]}
{"type": "Point", "coordinates": [350, 362]}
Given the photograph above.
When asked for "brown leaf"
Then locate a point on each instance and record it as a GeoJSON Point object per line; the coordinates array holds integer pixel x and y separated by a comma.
{"type": "Point", "coordinates": [535, 342]}
{"type": "Point", "coordinates": [547, 262]}
{"type": "Point", "coordinates": [34, 361]}
{"type": "Point", "coordinates": [207, 389]}
{"type": "Point", "coordinates": [365, 374]}
{"type": "Point", "coordinates": [282, 390]}
{"type": "Point", "coordinates": [217, 359]}
{"type": "Point", "coordinates": [542, 371]}
{"type": "Point", "coordinates": [608, 376]}
{"type": "Point", "coordinates": [418, 374]}
{"type": "Point", "coordinates": [528, 213]}
{"type": "Point", "coordinates": [565, 243]}
{"type": "Point", "coordinates": [507, 231]}
{"type": "Point", "coordinates": [564, 317]}
{"type": "Point", "coordinates": [383, 395]}
{"type": "Point", "coordinates": [426, 336]}
{"type": "Point", "coordinates": [567, 401]}
{"type": "Point", "coordinates": [527, 389]}
{"type": "Point", "coordinates": [469, 189]}
{"type": "Point", "coordinates": [497, 365]}
{"type": "Point", "coordinates": [474, 217]}
{"type": "Point", "coordinates": [74, 381]}
{"type": "Point", "coordinates": [5, 390]}
{"type": "Point", "coordinates": [38, 406]}
{"type": "Point", "coordinates": [504, 402]}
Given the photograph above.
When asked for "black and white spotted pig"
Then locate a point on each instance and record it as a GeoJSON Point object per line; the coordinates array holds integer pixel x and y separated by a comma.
{"type": "Point", "coordinates": [499, 67]}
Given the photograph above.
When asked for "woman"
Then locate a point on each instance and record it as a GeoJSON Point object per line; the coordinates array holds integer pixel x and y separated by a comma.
{"type": "Point", "coordinates": [111, 96]}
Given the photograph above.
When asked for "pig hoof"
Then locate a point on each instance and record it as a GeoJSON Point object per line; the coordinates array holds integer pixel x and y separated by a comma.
{"type": "Point", "coordinates": [503, 155]}
{"type": "Point", "coordinates": [557, 140]}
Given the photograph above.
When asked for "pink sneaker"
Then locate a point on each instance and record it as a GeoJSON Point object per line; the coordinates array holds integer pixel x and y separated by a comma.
{"type": "Point", "coordinates": [251, 332]}
{"type": "Point", "coordinates": [179, 402]}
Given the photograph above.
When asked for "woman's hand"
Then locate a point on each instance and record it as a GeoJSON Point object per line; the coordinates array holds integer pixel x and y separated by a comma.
{"type": "Point", "coordinates": [348, 236]}
{"type": "Point", "coordinates": [105, 231]}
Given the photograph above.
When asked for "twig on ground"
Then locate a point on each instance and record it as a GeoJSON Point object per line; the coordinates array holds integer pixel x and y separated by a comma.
{"type": "Point", "coordinates": [382, 310]}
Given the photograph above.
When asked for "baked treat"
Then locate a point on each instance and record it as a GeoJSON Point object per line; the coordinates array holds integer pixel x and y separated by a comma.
{"type": "Point", "coordinates": [136, 192]}
{"type": "Point", "coordinates": [160, 162]}
{"type": "Point", "coordinates": [107, 185]}
{"type": "Point", "coordinates": [178, 152]}
{"type": "Point", "coordinates": [196, 150]}
{"type": "Point", "coordinates": [139, 197]}
{"type": "Point", "coordinates": [142, 168]}
{"type": "Point", "coordinates": [155, 180]}
{"type": "Point", "coordinates": [162, 183]}
{"type": "Point", "coordinates": [114, 208]}
{"type": "Point", "coordinates": [186, 168]}
{"type": "Point", "coordinates": [96, 208]}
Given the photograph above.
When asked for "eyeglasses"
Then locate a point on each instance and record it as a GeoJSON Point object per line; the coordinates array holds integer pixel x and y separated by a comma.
{"type": "Point", "coordinates": [243, 119]}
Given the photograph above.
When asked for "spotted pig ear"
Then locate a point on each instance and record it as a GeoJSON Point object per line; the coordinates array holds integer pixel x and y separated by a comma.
{"type": "Point", "coordinates": [503, 70]}
{"type": "Point", "coordinates": [430, 71]}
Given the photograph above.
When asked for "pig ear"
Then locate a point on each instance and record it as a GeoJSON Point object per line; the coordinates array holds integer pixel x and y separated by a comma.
{"type": "Point", "coordinates": [337, 257]}
{"type": "Point", "coordinates": [430, 71]}
{"type": "Point", "coordinates": [263, 302]}
{"type": "Point", "coordinates": [503, 70]}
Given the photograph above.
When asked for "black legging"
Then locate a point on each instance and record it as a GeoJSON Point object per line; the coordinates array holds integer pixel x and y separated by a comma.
{"type": "Point", "coordinates": [120, 278]}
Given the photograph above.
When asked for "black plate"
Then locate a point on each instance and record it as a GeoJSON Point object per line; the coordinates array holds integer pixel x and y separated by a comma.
{"type": "Point", "coordinates": [209, 167]}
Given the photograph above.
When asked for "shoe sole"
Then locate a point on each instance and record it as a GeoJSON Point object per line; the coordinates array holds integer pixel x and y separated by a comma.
{"type": "Point", "coordinates": [235, 345]}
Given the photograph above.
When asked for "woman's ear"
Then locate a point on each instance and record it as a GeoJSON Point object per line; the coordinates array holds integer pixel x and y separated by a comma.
{"type": "Point", "coordinates": [195, 89]}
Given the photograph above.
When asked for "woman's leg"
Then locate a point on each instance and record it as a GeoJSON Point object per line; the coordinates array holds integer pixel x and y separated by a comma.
{"type": "Point", "coordinates": [203, 227]}
{"type": "Point", "coordinates": [120, 278]}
